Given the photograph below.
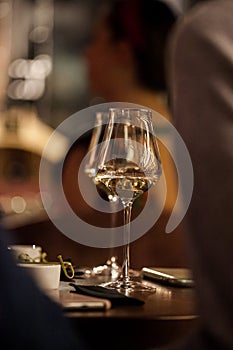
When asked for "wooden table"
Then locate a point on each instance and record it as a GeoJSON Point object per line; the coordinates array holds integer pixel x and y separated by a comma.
{"type": "Point", "coordinates": [167, 315]}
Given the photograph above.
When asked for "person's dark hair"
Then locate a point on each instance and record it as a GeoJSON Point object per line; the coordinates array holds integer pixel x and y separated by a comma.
{"type": "Point", "coordinates": [146, 25]}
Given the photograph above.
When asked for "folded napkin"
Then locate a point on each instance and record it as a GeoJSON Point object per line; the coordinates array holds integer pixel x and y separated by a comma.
{"type": "Point", "coordinates": [113, 295]}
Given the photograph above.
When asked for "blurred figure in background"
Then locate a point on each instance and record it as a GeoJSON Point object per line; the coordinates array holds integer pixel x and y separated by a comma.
{"type": "Point", "coordinates": [201, 78]}
{"type": "Point", "coordinates": [126, 57]}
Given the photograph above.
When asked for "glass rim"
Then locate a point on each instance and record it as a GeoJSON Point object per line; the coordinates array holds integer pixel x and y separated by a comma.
{"type": "Point", "coordinates": [111, 109]}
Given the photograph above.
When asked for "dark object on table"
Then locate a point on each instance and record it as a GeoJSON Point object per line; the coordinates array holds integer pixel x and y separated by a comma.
{"type": "Point", "coordinates": [114, 296]}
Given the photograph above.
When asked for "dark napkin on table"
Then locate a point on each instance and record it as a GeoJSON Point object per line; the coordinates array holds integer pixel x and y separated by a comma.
{"type": "Point", "coordinates": [113, 295]}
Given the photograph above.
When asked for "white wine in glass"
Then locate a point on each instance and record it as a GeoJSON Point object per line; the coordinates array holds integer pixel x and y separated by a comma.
{"type": "Point", "coordinates": [129, 164]}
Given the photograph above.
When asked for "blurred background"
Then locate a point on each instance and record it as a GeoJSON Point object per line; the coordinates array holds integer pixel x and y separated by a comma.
{"type": "Point", "coordinates": [42, 63]}
{"type": "Point", "coordinates": [43, 82]}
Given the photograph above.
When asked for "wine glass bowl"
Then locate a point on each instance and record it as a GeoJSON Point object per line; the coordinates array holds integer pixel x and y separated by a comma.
{"type": "Point", "coordinates": [129, 164]}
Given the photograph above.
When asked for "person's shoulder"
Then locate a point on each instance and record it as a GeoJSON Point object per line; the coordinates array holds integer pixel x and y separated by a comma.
{"type": "Point", "coordinates": [207, 24]}
{"type": "Point", "coordinates": [207, 16]}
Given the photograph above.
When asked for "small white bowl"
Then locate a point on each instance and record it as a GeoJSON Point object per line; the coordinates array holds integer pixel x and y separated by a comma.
{"type": "Point", "coordinates": [46, 275]}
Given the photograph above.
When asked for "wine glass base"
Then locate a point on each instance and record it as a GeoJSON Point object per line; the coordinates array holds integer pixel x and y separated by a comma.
{"type": "Point", "coordinates": [129, 285]}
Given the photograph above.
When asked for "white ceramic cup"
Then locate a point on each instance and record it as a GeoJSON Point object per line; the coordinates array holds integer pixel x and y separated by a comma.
{"type": "Point", "coordinates": [32, 251]}
{"type": "Point", "coordinates": [46, 275]}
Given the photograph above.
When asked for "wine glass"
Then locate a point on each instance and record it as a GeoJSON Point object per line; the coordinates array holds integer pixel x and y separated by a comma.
{"type": "Point", "coordinates": [129, 164]}
{"type": "Point", "coordinates": [111, 267]}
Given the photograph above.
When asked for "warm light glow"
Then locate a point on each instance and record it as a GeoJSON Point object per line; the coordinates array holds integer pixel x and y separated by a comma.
{"type": "Point", "coordinates": [30, 77]}
{"type": "Point", "coordinates": [18, 68]}
{"type": "Point", "coordinates": [18, 204]}
{"type": "Point", "coordinates": [32, 135]}
{"type": "Point", "coordinates": [39, 34]}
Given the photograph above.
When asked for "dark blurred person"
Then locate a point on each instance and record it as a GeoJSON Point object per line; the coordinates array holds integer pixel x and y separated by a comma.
{"type": "Point", "coordinates": [201, 85]}
{"type": "Point", "coordinates": [28, 318]}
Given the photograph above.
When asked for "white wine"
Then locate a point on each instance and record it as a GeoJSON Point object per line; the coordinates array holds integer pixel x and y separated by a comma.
{"type": "Point", "coordinates": [125, 179]}
{"type": "Point", "coordinates": [105, 192]}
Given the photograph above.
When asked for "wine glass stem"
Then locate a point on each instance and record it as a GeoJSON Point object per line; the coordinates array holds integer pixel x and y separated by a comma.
{"type": "Point", "coordinates": [126, 263]}
{"type": "Point", "coordinates": [114, 205]}
{"type": "Point", "coordinates": [113, 213]}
